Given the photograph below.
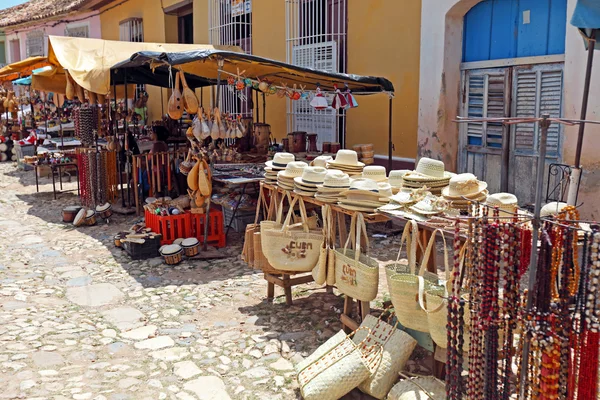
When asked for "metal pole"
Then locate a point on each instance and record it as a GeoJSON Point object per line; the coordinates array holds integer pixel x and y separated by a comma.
{"type": "Point", "coordinates": [505, 158]}
{"type": "Point", "coordinates": [257, 109]}
{"type": "Point", "coordinates": [116, 130]}
{"type": "Point", "coordinates": [126, 142]}
{"type": "Point", "coordinates": [264, 109]}
{"type": "Point", "coordinates": [544, 125]}
{"type": "Point", "coordinates": [576, 173]}
{"type": "Point", "coordinates": [390, 138]}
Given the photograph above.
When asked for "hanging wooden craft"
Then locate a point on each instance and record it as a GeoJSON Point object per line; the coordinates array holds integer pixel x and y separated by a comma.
{"type": "Point", "coordinates": [175, 110]}
{"type": "Point", "coordinates": [190, 101]}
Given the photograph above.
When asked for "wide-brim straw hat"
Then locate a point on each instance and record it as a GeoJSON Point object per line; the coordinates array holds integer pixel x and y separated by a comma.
{"type": "Point", "coordinates": [348, 158]}
{"type": "Point", "coordinates": [362, 203]}
{"type": "Point", "coordinates": [428, 206]}
{"type": "Point", "coordinates": [321, 161]}
{"type": "Point", "coordinates": [303, 192]}
{"type": "Point", "coordinates": [350, 207]}
{"type": "Point", "coordinates": [335, 181]}
{"type": "Point", "coordinates": [395, 177]}
{"type": "Point", "coordinates": [311, 177]}
{"type": "Point", "coordinates": [464, 185]}
{"type": "Point", "coordinates": [280, 161]}
{"type": "Point", "coordinates": [362, 186]}
{"type": "Point", "coordinates": [293, 169]}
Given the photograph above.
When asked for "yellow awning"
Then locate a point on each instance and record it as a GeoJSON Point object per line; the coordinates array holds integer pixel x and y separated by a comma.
{"type": "Point", "coordinates": [23, 68]}
{"type": "Point", "coordinates": [89, 60]}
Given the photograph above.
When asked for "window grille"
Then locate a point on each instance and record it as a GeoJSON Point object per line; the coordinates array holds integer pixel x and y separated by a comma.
{"type": "Point", "coordinates": [316, 38]}
{"type": "Point", "coordinates": [131, 30]}
{"type": "Point", "coordinates": [230, 24]}
{"type": "Point", "coordinates": [35, 43]}
{"type": "Point", "coordinates": [78, 31]}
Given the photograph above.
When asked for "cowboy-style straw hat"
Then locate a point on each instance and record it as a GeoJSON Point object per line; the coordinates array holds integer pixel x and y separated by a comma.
{"type": "Point", "coordinates": [280, 161]}
{"type": "Point", "coordinates": [464, 185]}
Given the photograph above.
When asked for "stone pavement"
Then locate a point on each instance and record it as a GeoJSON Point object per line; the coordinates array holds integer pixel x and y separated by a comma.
{"type": "Point", "coordinates": [80, 320]}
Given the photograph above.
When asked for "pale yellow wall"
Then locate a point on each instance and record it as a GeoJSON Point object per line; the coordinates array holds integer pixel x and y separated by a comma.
{"type": "Point", "coordinates": [383, 40]}
{"type": "Point", "coordinates": [154, 31]}
{"type": "Point", "coordinates": [201, 37]}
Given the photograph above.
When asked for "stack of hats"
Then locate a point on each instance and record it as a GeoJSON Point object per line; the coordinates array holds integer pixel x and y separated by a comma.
{"type": "Point", "coordinates": [346, 161]}
{"type": "Point", "coordinates": [364, 195]}
{"type": "Point", "coordinates": [465, 188]}
{"type": "Point", "coordinates": [285, 178]}
{"type": "Point", "coordinates": [376, 173]}
{"type": "Point", "coordinates": [279, 163]}
{"type": "Point", "coordinates": [430, 173]}
{"type": "Point", "coordinates": [321, 161]}
{"type": "Point", "coordinates": [506, 203]}
{"type": "Point", "coordinates": [306, 185]}
{"type": "Point", "coordinates": [428, 207]}
{"type": "Point", "coordinates": [334, 184]}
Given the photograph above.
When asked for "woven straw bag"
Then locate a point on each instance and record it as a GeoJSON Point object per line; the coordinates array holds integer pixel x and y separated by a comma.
{"type": "Point", "coordinates": [289, 248]}
{"type": "Point", "coordinates": [403, 283]}
{"type": "Point", "coordinates": [356, 274]}
{"type": "Point", "coordinates": [337, 367]}
{"type": "Point", "coordinates": [419, 388]}
{"type": "Point", "coordinates": [260, 261]}
{"type": "Point", "coordinates": [436, 296]}
{"type": "Point", "coordinates": [319, 273]}
{"type": "Point", "coordinates": [251, 229]}
{"type": "Point", "coordinates": [397, 347]}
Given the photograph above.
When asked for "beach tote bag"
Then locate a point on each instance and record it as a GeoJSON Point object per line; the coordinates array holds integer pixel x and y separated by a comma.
{"type": "Point", "coordinates": [293, 247]}
{"type": "Point", "coordinates": [356, 274]}
{"type": "Point", "coordinates": [397, 346]}
{"type": "Point", "coordinates": [436, 306]}
{"type": "Point", "coordinates": [337, 366]}
{"type": "Point", "coordinates": [251, 229]}
{"type": "Point", "coordinates": [403, 282]}
{"type": "Point", "coordinates": [418, 388]}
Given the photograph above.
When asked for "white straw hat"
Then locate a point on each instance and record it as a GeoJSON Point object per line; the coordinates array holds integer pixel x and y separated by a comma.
{"type": "Point", "coordinates": [385, 189]}
{"type": "Point", "coordinates": [375, 172]}
{"type": "Point", "coordinates": [505, 202]}
{"type": "Point", "coordinates": [362, 186]}
{"type": "Point", "coordinates": [311, 176]}
{"type": "Point", "coordinates": [395, 178]}
{"type": "Point", "coordinates": [321, 161]}
{"type": "Point", "coordinates": [336, 180]}
{"type": "Point", "coordinates": [465, 185]}
{"type": "Point", "coordinates": [432, 168]}
{"type": "Point", "coordinates": [346, 158]}
{"type": "Point", "coordinates": [552, 208]}
{"type": "Point", "coordinates": [280, 161]}
{"type": "Point", "coordinates": [293, 169]}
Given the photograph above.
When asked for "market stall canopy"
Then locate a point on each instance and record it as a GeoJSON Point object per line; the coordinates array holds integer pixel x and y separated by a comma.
{"type": "Point", "coordinates": [204, 63]}
{"type": "Point", "coordinates": [586, 17]}
{"type": "Point", "coordinates": [89, 60]}
{"type": "Point", "coordinates": [22, 68]}
{"type": "Point", "coordinates": [27, 80]}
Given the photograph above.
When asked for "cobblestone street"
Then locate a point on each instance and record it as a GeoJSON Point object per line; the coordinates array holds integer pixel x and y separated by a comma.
{"type": "Point", "coordinates": [80, 320]}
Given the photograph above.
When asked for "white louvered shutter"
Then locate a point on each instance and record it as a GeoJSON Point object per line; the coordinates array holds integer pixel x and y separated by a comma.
{"type": "Point", "coordinates": [537, 90]}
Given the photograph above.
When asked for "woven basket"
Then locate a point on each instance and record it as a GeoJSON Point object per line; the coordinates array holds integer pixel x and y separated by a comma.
{"type": "Point", "coordinates": [356, 274]}
{"type": "Point", "coordinates": [319, 273]}
{"type": "Point", "coordinates": [337, 367]}
{"type": "Point", "coordinates": [421, 388]}
{"type": "Point", "coordinates": [397, 348]}
{"type": "Point", "coordinates": [403, 283]}
{"type": "Point", "coordinates": [289, 249]}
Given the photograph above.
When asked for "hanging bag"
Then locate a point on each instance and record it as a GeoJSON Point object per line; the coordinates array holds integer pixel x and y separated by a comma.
{"type": "Point", "coordinates": [436, 296]}
{"type": "Point", "coordinates": [293, 247]}
{"type": "Point", "coordinates": [418, 388]}
{"type": "Point", "coordinates": [337, 366]}
{"type": "Point", "coordinates": [403, 282]}
{"type": "Point", "coordinates": [397, 346]}
{"type": "Point", "coordinates": [331, 251]}
{"type": "Point", "coordinates": [357, 274]}
{"type": "Point", "coordinates": [251, 229]}
{"type": "Point", "coordinates": [319, 273]}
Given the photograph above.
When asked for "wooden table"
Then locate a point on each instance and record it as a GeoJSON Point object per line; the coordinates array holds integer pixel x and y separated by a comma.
{"type": "Point", "coordinates": [53, 169]}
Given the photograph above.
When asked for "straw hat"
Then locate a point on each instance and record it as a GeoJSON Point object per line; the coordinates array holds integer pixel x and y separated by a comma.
{"type": "Point", "coordinates": [552, 208]}
{"type": "Point", "coordinates": [335, 181]}
{"type": "Point", "coordinates": [346, 158]}
{"type": "Point", "coordinates": [430, 205]}
{"type": "Point", "coordinates": [362, 186]}
{"type": "Point", "coordinates": [395, 178]}
{"type": "Point", "coordinates": [311, 177]}
{"type": "Point", "coordinates": [464, 185]}
{"type": "Point", "coordinates": [375, 172]}
{"type": "Point", "coordinates": [292, 170]}
{"type": "Point", "coordinates": [280, 161]}
{"type": "Point", "coordinates": [385, 189]}
{"type": "Point", "coordinates": [505, 202]}
{"type": "Point", "coordinates": [321, 161]}
{"type": "Point", "coordinates": [432, 168]}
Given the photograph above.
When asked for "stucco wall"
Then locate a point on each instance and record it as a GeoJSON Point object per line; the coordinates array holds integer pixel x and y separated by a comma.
{"type": "Point", "coordinates": [383, 40]}
{"type": "Point", "coordinates": [154, 31]}
{"type": "Point", "coordinates": [441, 51]}
{"type": "Point", "coordinates": [92, 20]}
